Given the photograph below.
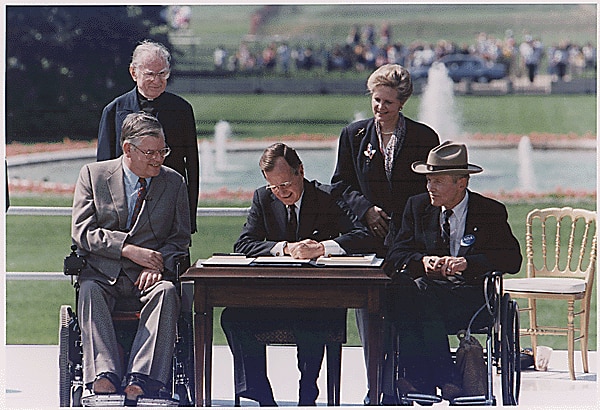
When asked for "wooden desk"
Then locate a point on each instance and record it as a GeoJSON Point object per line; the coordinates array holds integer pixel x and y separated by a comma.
{"type": "Point", "coordinates": [279, 287]}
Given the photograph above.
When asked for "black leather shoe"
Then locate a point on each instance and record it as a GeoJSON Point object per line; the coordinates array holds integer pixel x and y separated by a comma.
{"type": "Point", "coordinates": [106, 383]}
{"type": "Point", "coordinates": [450, 391]}
{"type": "Point", "coordinates": [264, 399]}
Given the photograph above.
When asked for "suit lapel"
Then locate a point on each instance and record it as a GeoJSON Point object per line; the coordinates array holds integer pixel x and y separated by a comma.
{"type": "Point", "coordinates": [116, 187]}
{"type": "Point", "coordinates": [470, 237]}
{"type": "Point", "coordinates": [308, 219]}
{"type": "Point", "coordinates": [431, 227]}
{"type": "Point", "coordinates": [157, 187]}
{"type": "Point", "coordinates": [279, 211]}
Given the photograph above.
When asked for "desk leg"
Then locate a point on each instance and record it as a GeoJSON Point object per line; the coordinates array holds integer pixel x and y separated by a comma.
{"type": "Point", "coordinates": [375, 335]}
{"type": "Point", "coordinates": [203, 336]}
{"type": "Point", "coordinates": [208, 356]}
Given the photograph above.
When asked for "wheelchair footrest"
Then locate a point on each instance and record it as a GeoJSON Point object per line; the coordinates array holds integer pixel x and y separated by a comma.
{"type": "Point", "coordinates": [103, 400]}
{"type": "Point", "coordinates": [119, 400]}
{"type": "Point", "coordinates": [156, 402]}
{"type": "Point", "coordinates": [422, 398]}
{"type": "Point", "coordinates": [472, 401]}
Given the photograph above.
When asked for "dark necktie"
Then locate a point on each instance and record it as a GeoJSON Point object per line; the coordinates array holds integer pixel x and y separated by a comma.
{"type": "Point", "coordinates": [139, 201]}
{"type": "Point", "coordinates": [292, 225]}
{"type": "Point", "coordinates": [446, 230]}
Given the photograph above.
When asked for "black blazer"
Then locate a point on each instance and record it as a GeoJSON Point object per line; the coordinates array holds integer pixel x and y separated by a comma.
{"type": "Point", "coordinates": [362, 180]}
{"type": "Point", "coordinates": [177, 119]}
{"type": "Point", "coordinates": [320, 218]}
{"type": "Point", "coordinates": [494, 246]}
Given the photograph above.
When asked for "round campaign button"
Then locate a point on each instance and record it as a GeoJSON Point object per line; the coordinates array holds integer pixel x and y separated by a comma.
{"type": "Point", "coordinates": [467, 240]}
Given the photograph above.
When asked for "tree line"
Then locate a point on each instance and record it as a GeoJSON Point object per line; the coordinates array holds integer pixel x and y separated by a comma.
{"type": "Point", "coordinates": [64, 64]}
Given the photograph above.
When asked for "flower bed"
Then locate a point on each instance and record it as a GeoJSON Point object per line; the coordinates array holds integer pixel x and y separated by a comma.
{"type": "Point", "coordinates": [18, 187]}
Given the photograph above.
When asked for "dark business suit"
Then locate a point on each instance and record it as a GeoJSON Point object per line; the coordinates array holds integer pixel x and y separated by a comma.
{"type": "Point", "coordinates": [99, 230]}
{"type": "Point", "coordinates": [426, 309]}
{"type": "Point", "coordinates": [177, 119]}
{"type": "Point", "coordinates": [320, 218]}
{"type": "Point", "coordinates": [363, 183]}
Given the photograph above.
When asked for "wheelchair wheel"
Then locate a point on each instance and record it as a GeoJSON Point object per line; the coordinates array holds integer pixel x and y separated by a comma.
{"type": "Point", "coordinates": [510, 352]}
{"type": "Point", "coordinates": [183, 362]}
{"type": "Point", "coordinates": [69, 360]}
{"type": "Point", "coordinates": [63, 357]}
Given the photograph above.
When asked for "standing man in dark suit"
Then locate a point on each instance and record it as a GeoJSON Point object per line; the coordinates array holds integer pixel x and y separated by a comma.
{"type": "Point", "coordinates": [150, 68]}
{"type": "Point", "coordinates": [290, 216]}
{"type": "Point", "coordinates": [450, 237]}
{"type": "Point", "coordinates": [131, 221]}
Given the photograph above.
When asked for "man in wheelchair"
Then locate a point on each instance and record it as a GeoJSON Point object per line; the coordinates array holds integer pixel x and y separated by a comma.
{"type": "Point", "coordinates": [450, 237]}
{"type": "Point", "coordinates": [130, 222]}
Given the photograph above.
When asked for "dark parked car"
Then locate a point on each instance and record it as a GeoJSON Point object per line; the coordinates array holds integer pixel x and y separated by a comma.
{"type": "Point", "coordinates": [463, 66]}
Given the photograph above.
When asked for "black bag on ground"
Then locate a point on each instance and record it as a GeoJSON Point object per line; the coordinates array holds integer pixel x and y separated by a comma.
{"type": "Point", "coordinates": [471, 365]}
{"type": "Point", "coordinates": [526, 358]}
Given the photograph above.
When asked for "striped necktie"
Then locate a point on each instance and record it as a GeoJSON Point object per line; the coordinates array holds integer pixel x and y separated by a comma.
{"type": "Point", "coordinates": [139, 201]}
{"type": "Point", "coordinates": [446, 230]}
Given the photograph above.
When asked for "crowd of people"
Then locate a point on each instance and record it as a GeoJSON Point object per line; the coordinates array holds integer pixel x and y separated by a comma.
{"type": "Point", "coordinates": [367, 48]}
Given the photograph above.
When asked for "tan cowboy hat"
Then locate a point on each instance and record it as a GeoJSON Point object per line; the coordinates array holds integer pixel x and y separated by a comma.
{"type": "Point", "coordinates": [447, 158]}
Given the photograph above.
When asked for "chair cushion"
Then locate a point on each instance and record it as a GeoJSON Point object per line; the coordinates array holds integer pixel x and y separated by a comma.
{"type": "Point", "coordinates": [545, 285]}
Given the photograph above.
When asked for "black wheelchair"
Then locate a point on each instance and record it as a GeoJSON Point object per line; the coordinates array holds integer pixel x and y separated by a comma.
{"type": "Point", "coordinates": [71, 388]}
{"type": "Point", "coordinates": [498, 320]}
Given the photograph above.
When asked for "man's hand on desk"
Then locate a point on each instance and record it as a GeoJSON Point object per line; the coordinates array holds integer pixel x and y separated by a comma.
{"type": "Point", "coordinates": [305, 249]}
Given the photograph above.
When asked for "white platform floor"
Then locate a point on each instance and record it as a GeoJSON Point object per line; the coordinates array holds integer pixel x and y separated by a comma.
{"type": "Point", "coordinates": [30, 379]}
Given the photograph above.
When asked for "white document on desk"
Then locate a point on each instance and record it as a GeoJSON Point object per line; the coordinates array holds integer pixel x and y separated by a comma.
{"type": "Point", "coordinates": [279, 260]}
{"type": "Point", "coordinates": [351, 260]}
{"type": "Point", "coordinates": [228, 260]}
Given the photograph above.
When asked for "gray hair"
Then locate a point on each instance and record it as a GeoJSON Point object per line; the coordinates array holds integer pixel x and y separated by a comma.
{"type": "Point", "coordinates": [277, 150]}
{"type": "Point", "coordinates": [140, 124]}
{"type": "Point", "coordinates": [150, 47]}
{"type": "Point", "coordinates": [394, 76]}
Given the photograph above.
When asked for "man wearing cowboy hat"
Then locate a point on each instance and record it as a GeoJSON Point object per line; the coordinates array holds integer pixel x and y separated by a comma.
{"type": "Point", "coordinates": [450, 237]}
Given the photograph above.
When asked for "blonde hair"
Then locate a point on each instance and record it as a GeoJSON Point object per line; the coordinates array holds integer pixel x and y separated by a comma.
{"type": "Point", "coordinates": [394, 76]}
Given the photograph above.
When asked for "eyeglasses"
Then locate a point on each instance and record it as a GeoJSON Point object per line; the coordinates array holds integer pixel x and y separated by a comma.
{"type": "Point", "coordinates": [152, 153]}
{"type": "Point", "coordinates": [151, 75]}
{"type": "Point", "coordinates": [283, 185]}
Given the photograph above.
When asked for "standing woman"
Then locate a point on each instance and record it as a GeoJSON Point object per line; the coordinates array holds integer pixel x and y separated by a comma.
{"type": "Point", "coordinates": [373, 173]}
{"type": "Point", "coordinates": [374, 155]}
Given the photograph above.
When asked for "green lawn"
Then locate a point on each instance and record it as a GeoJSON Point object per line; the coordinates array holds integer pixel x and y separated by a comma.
{"type": "Point", "coordinates": [258, 116]}
{"type": "Point", "coordinates": [32, 307]}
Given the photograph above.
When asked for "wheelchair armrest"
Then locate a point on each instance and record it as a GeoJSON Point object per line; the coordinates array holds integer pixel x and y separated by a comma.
{"type": "Point", "coordinates": [182, 263]}
{"type": "Point", "coordinates": [493, 274]}
{"type": "Point", "coordinates": [73, 263]}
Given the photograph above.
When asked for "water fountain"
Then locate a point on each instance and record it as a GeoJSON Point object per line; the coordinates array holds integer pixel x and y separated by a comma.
{"type": "Point", "coordinates": [207, 162]}
{"type": "Point", "coordinates": [222, 134]}
{"type": "Point", "coordinates": [358, 115]}
{"type": "Point", "coordinates": [437, 108]}
{"type": "Point", "coordinates": [526, 172]}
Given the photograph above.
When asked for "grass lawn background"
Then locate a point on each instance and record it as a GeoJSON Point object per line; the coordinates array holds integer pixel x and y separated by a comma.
{"type": "Point", "coordinates": [28, 323]}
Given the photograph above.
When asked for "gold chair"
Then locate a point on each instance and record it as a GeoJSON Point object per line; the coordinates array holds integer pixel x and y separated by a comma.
{"type": "Point", "coordinates": [565, 274]}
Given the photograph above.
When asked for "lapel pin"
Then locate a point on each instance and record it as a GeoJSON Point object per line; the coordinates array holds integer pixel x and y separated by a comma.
{"type": "Point", "coordinates": [467, 240]}
{"type": "Point", "coordinates": [369, 152]}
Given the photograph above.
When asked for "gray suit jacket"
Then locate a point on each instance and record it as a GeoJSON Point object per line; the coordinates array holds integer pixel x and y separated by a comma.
{"type": "Point", "coordinates": [100, 217]}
